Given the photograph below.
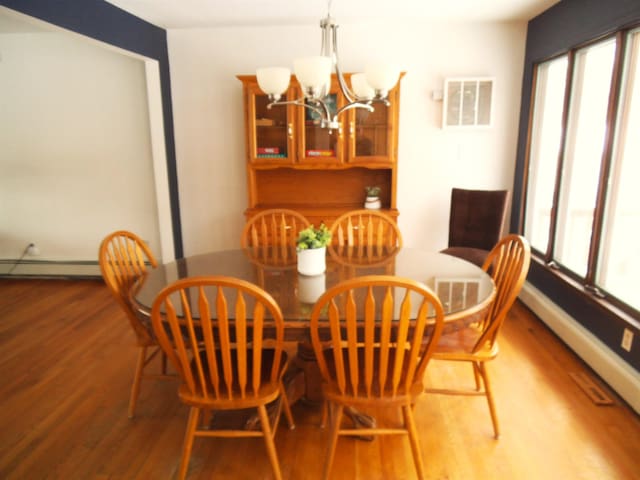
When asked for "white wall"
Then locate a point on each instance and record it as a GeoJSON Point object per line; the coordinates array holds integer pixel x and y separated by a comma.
{"type": "Point", "coordinates": [75, 155]}
{"type": "Point", "coordinates": [208, 116]}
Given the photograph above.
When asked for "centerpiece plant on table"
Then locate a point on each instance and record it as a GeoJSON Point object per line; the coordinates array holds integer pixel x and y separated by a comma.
{"type": "Point", "coordinates": [312, 247]}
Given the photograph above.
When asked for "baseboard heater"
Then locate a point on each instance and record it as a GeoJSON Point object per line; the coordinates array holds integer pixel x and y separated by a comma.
{"type": "Point", "coordinates": [49, 269]}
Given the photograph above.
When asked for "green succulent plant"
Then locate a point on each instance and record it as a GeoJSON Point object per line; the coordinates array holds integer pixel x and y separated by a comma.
{"type": "Point", "coordinates": [372, 191]}
{"type": "Point", "coordinates": [312, 237]}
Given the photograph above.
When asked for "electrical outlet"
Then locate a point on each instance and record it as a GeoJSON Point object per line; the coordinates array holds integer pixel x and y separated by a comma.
{"type": "Point", "coordinates": [33, 250]}
{"type": "Point", "coordinates": [627, 339]}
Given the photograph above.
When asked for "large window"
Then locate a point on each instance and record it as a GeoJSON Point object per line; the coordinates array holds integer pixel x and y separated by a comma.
{"type": "Point", "coordinates": [582, 210]}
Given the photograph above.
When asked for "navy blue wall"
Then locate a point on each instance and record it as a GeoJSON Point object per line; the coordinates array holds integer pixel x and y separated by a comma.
{"type": "Point", "coordinates": [563, 26]}
{"type": "Point", "coordinates": [107, 23]}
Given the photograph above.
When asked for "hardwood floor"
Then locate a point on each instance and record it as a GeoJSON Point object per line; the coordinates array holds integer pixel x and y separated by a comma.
{"type": "Point", "coordinates": [67, 358]}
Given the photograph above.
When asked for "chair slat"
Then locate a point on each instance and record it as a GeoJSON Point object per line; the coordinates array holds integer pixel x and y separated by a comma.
{"type": "Point", "coordinates": [209, 343]}
{"type": "Point", "coordinates": [352, 340]}
{"type": "Point", "coordinates": [222, 313]}
{"type": "Point", "coordinates": [369, 340]}
{"type": "Point", "coordinates": [241, 341]}
{"type": "Point", "coordinates": [385, 337]}
{"type": "Point", "coordinates": [336, 345]}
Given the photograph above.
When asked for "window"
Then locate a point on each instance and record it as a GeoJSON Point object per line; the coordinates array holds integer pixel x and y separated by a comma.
{"type": "Point", "coordinates": [619, 263]}
{"type": "Point", "coordinates": [545, 148]}
{"type": "Point", "coordinates": [582, 204]}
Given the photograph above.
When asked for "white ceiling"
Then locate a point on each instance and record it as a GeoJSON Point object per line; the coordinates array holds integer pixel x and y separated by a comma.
{"type": "Point", "coordinates": [214, 13]}
{"type": "Point", "coordinates": [210, 13]}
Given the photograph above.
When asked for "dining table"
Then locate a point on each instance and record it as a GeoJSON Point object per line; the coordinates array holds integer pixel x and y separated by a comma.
{"type": "Point", "coordinates": [465, 290]}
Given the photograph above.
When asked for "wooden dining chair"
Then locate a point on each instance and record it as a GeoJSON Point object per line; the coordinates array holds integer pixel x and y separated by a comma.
{"type": "Point", "coordinates": [123, 259]}
{"type": "Point", "coordinates": [477, 344]}
{"type": "Point", "coordinates": [271, 234]}
{"type": "Point", "coordinates": [225, 337]}
{"type": "Point", "coordinates": [476, 222]}
{"type": "Point", "coordinates": [365, 228]}
{"type": "Point", "coordinates": [382, 331]}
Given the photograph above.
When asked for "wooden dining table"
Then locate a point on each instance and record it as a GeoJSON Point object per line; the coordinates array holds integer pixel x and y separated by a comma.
{"type": "Point", "coordinates": [464, 289]}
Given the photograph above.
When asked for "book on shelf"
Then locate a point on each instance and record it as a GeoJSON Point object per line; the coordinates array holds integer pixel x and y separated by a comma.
{"type": "Point", "coordinates": [264, 122]}
{"type": "Point", "coordinates": [320, 153]}
{"type": "Point", "coordinates": [262, 150]}
{"type": "Point", "coordinates": [272, 155]}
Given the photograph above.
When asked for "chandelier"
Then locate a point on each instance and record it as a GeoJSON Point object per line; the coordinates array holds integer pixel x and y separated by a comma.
{"type": "Point", "coordinates": [314, 76]}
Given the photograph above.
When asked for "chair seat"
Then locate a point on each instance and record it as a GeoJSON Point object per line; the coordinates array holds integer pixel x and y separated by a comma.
{"type": "Point", "coordinates": [476, 256]}
{"type": "Point", "coordinates": [460, 344]}
{"type": "Point", "coordinates": [268, 390]}
{"type": "Point", "coordinates": [332, 391]}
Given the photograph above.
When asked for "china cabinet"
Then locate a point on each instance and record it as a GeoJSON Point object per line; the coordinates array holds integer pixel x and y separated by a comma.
{"type": "Point", "coordinates": [294, 163]}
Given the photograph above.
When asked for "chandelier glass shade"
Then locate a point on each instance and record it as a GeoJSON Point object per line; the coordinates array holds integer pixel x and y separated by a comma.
{"type": "Point", "coordinates": [314, 76]}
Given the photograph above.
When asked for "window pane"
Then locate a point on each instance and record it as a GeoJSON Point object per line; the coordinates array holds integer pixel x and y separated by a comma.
{"type": "Point", "coordinates": [545, 145]}
{"type": "Point", "coordinates": [620, 256]}
{"type": "Point", "coordinates": [583, 154]}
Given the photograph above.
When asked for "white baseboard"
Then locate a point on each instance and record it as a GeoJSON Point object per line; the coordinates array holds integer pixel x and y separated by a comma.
{"type": "Point", "coordinates": [619, 375]}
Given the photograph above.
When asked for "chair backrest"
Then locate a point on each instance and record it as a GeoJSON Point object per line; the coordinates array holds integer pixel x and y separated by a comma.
{"type": "Point", "coordinates": [123, 258]}
{"type": "Point", "coordinates": [214, 330]}
{"type": "Point", "coordinates": [477, 217]}
{"type": "Point", "coordinates": [508, 262]}
{"type": "Point", "coordinates": [272, 234]}
{"type": "Point", "coordinates": [365, 228]}
{"type": "Point", "coordinates": [278, 226]}
{"type": "Point", "coordinates": [382, 329]}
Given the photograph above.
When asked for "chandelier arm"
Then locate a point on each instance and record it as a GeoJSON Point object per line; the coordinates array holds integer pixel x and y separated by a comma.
{"type": "Point", "coordinates": [301, 103]}
{"type": "Point", "coordinates": [352, 105]}
{"type": "Point", "coordinates": [348, 94]}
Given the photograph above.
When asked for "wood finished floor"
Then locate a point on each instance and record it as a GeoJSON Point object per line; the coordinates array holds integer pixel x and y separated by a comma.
{"type": "Point", "coordinates": [67, 358]}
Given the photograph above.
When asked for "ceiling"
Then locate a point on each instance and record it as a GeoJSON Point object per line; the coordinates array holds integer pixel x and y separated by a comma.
{"type": "Point", "coordinates": [213, 13]}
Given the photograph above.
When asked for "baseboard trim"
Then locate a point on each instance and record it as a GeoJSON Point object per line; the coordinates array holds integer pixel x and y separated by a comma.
{"type": "Point", "coordinates": [619, 375]}
{"type": "Point", "coordinates": [23, 268]}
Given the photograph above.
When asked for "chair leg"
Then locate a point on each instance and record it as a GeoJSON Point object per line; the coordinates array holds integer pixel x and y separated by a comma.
{"type": "Point", "coordinates": [207, 416]}
{"type": "Point", "coordinates": [325, 413]}
{"type": "Point", "coordinates": [268, 440]}
{"type": "Point", "coordinates": [407, 412]}
{"type": "Point", "coordinates": [192, 423]}
{"type": "Point", "coordinates": [476, 376]}
{"type": "Point", "coordinates": [336, 417]}
{"type": "Point", "coordinates": [287, 407]}
{"type": "Point", "coordinates": [137, 379]}
{"type": "Point", "coordinates": [482, 369]}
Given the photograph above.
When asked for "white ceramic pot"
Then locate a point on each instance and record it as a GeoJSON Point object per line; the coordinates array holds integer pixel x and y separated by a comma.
{"type": "Point", "coordinates": [372, 203]}
{"type": "Point", "coordinates": [310, 288]}
{"type": "Point", "coordinates": [312, 261]}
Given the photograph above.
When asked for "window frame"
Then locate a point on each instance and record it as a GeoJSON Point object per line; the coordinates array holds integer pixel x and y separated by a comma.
{"type": "Point", "coordinates": [585, 285]}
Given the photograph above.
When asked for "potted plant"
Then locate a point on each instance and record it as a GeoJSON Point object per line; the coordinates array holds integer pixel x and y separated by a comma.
{"type": "Point", "coordinates": [312, 248]}
{"type": "Point", "coordinates": [372, 202]}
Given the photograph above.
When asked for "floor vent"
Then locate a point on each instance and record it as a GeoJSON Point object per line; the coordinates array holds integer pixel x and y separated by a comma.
{"type": "Point", "coordinates": [594, 392]}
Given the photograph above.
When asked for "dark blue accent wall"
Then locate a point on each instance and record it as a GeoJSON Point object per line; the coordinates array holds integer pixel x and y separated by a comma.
{"type": "Point", "coordinates": [563, 26]}
{"type": "Point", "coordinates": [105, 22]}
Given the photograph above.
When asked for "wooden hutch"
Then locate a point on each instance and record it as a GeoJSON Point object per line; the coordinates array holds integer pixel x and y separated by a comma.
{"type": "Point", "coordinates": [294, 163]}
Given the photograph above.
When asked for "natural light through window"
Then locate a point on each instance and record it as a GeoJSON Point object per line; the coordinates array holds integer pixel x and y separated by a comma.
{"type": "Point", "coordinates": [582, 200]}
{"type": "Point", "coordinates": [545, 148]}
{"type": "Point", "coordinates": [620, 259]}
{"type": "Point", "coordinates": [586, 130]}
